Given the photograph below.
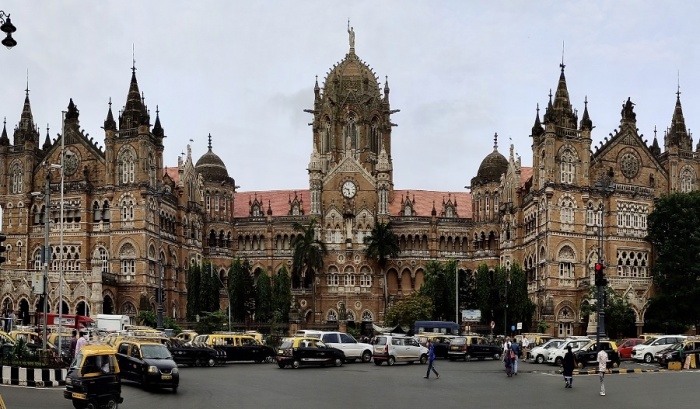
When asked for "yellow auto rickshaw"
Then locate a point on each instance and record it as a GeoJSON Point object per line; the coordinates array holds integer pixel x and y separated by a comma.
{"type": "Point", "coordinates": [93, 379]}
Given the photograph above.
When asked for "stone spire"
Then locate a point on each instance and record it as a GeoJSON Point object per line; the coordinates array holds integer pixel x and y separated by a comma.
{"type": "Point", "coordinates": [4, 140]}
{"type": "Point", "coordinates": [158, 129]}
{"type": "Point", "coordinates": [586, 123]}
{"type": "Point", "coordinates": [537, 129]}
{"type": "Point", "coordinates": [47, 141]}
{"type": "Point", "coordinates": [677, 134]}
{"type": "Point", "coordinates": [110, 124]}
{"type": "Point", "coordinates": [134, 112]}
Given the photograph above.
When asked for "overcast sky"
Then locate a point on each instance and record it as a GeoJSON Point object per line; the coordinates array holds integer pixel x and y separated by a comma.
{"type": "Point", "coordinates": [459, 71]}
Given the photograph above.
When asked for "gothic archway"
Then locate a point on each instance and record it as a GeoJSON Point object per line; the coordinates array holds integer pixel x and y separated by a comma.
{"type": "Point", "coordinates": [24, 311]}
{"type": "Point", "coordinates": [82, 309]}
{"type": "Point", "coordinates": [107, 305]}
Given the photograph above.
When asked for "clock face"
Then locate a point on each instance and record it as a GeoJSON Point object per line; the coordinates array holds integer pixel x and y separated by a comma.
{"type": "Point", "coordinates": [349, 189]}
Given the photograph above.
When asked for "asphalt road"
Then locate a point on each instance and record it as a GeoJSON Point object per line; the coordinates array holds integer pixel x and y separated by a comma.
{"type": "Point", "coordinates": [481, 384]}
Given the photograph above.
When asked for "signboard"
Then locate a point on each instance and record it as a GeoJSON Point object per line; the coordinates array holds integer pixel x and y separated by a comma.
{"type": "Point", "coordinates": [38, 283]}
{"type": "Point", "coordinates": [471, 315]}
{"type": "Point", "coordinates": [520, 325]}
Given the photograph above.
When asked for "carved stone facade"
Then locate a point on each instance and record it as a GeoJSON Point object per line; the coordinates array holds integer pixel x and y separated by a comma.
{"type": "Point", "coordinates": [128, 218]}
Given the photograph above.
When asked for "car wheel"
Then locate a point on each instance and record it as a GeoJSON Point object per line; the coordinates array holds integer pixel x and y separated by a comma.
{"type": "Point", "coordinates": [111, 403]}
{"type": "Point", "coordinates": [366, 356]}
{"type": "Point", "coordinates": [648, 358]}
{"type": "Point", "coordinates": [91, 405]}
{"type": "Point", "coordinates": [281, 364]}
{"type": "Point", "coordinates": [338, 362]}
{"type": "Point", "coordinates": [539, 359]}
{"type": "Point", "coordinates": [377, 362]}
{"type": "Point", "coordinates": [580, 365]}
{"type": "Point", "coordinates": [211, 362]}
{"type": "Point", "coordinates": [558, 361]}
{"type": "Point", "coordinates": [467, 357]}
{"type": "Point", "coordinates": [390, 361]}
{"type": "Point", "coordinates": [296, 364]}
{"type": "Point", "coordinates": [197, 362]}
{"type": "Point", "coordinates": [615, 364]}
{"type": "Point", "coordinates": [423, 359]}
{"type": "Point", "coordinates": [496, 356]}
{"type": "Point", "coordinates": [78, 404]}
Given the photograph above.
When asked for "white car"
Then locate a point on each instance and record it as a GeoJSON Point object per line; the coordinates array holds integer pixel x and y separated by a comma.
{"type": "Point", "coordinates": [646, 351]}
{"type": "Point", "coordinates": [391, 348]}
{"type": "Point", "coordinates": [345, 342]}
{"type": "Point", "coordinates": [556, 355]}
{"type": "Point", "coordinates": [539, 354]}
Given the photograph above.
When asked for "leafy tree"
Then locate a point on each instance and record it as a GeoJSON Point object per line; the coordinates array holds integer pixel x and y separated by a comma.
{"type": "Point", "coordinates": [210, 322]}
{"type": "Point", "coordinates": [150, 319]}
{"type": "Point", "coordinates": [520, 307]}
{"type": "Point", "coordinates": [209, 290]}
{"type": "Point", "coordinates": [468, 298]}
{"type": "Point", "coordinates": [410, 309]}
{"type": "Point", "coordinates": [308, 254]}
{"type": "Point", "coordinates": [240, 283]}
{"type": "Point", "coordinates": [263, 298]}
{"type": "Point", "coordinates": [619, 315]}
{"type": "Point", "coordinates": [382, 245]}
{"type": "Point", "coordinates": [282, 294]}
{"type": "Point", "coordinates": [674, 231]}
{"type": "Point", "coordinates": [193, 284]}
{"type": "Point", "coordinates": [502, 294]}
{"type": "Point", "coordinates": [488, 295]}
{"type": "Point", "coordinates": [439, 289]}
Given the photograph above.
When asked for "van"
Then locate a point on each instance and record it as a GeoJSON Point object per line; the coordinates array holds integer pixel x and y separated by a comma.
{"type": "Point", "coordinates": [646, 352]}
{"type": "Point", "coordinates": [442, 327]}
{"type": "Point", "coordinates": [392, 348]}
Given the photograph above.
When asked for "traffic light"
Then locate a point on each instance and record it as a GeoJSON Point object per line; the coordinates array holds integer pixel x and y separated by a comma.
{"type": "Point", "coordinates": [2, 248]}
{"type": "Point", "coordinates": [600, 279]}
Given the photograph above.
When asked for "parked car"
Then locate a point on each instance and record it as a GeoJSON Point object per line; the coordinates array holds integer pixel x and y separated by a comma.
{"type": "Point", "coordinates": [588, 354]}
{"type": "Point", "coordinates": [540, 353]}
{"type": "Point", "coordinates": [556, 355]}
{"type": "Point", "coordinates": [300, 351]}
{"type": "Point", "coordinates": [148, 363]}
{"type": "Point", "coordinates": [625, 347]}
{"type": "Point", "coordinates": [391, 348]}
{"type": "Point", "coordinates": [238, 347]}
{"type": "Point", "coordinates": [646, 351]}
{"type": "Point", "coordinates": [677, 352]}
{"type": "Point", "coordinates": [480, 348]}
{"type": "Point", "coordinates": [193, 354]}
{"type": "Point", "coordinates": [352, 349]}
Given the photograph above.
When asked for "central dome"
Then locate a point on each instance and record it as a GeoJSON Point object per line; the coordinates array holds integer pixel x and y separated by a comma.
{"type": "Point", "coordinates": [491, 168]}
{"type": "Point", "coordinates": [352, 74]}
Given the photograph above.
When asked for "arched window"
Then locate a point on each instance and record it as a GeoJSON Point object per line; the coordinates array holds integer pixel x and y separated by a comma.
{"type": "Point", "coordinates": [566, 262]}
{"type": "Point", "coordinates": [326, 136]}
{"type": "Point", "coordinates": [567, 167]}
{"type": "Point", "coordinates": [127, 210]}
{"type": "Point", "coordinates": [17, 176]}
{"type": "Point", "coordinates": [37, 259]}
{"type": "Point", "coordinates": [101, 259]}
{"type": "Point", "coordinates": [127, 259]}
{"type": "Point", "coordinates": [351, 131]}
{"type": "Point", "coordinates": [367, 316]}
{"type": "Point", "coordinates": [374, 136]}
{"type": "Point", "coordinates": [151, 169]}
{"type": "Point", "coordinates": [332, 316]}
{"type": "Point", "coordinates": [126, 162]}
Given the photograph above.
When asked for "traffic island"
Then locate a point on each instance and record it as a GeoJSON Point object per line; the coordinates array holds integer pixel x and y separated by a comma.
{"type": "Point", "coordinates": [615, 371]}
{"type": "Point", "coordinates": [33, 377]}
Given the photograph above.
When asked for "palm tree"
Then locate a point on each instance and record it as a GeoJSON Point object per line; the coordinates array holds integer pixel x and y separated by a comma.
{"type": "Point", "coordinates": [308, 256]}
{"type": "Point", "coordinates": [382, 244]}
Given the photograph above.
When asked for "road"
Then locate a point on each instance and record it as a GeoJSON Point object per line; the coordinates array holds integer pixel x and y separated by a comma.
{"type": "Point", "coordinates": [369, 386]}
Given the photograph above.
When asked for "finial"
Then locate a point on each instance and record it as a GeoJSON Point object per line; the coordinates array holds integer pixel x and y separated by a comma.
{"type": "Point", "coordinates": [654, 131]}
{"type": "Point", "coordinates": [538, 109]}
{"type": "Point", "coordinates": [157, 111]}
{"type": "Point", "coordinates": [133, 58]}
{"type": "Point", "coordinates": [550, 94]}
{"type": "Point", "coordinates": [27, 89]}
{"type": "Point", "coordinates": [110, 102]}
{"type": "Point", "coordinates": [562, 56]}
{"type": "Point", "coordinates": [678, 92]}
{"type": "Point", "coordinates": [209, 141]}
{"type": "Point", "coordinates": [495, 141]}
{"type": "Point", "coordinates": [585, 101]}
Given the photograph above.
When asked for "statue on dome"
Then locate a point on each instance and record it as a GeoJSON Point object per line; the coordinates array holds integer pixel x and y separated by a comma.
{"type": "Point", "coordinates": [351, 34]}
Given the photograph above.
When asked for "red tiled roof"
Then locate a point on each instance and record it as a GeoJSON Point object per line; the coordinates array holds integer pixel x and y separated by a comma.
{"type": "Point", "coordinates": [278, 200]}
{"type": "Point", "coordinates": [525, 174]}
{"type": "Point", "coordinates": [173, 173]}
{"type": "Point", "coordinates": [424, 200]}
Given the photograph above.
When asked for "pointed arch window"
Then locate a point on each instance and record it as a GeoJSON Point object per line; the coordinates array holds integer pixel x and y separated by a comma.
{"type": "Point", "coordinates": [127, 166]}
{"type": "Point", "coordinates": [326, 136]}
{"type": "Point", "coordinates": [17, 178]}
{"type": "Point", "coordinates": [687, 181]}
{"type": "Point", "coordinates": [351, 131]}
{"type": "Point", "coordinates": [374, 136]}
{"type": "Point", "coordinates": [151, 169]}
{"type": "Point", "coordinates": [127, 256]}
{"type": "Point", "coordinates": [127, 210]}
{"type": "Point", "coordinates": [567, 167]}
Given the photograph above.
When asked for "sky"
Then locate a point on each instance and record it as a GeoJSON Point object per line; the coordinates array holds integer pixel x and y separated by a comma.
{"type": "Point", "coordinates": [244, 71]}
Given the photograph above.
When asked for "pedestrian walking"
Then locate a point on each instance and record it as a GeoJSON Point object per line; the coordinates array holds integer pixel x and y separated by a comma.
{"type": "Point", "coordinates": [514, 355]}
{"type": "Point", "coordinates": [82, 341]}
{"type": "Point", "coordinates": [431, 358]}
{"type": "Point", "coordinates": [602, 368]}
{"type": "Point", "coordinates": [73, 344]}
{"type": "Point", "coordinates": [568, 366]}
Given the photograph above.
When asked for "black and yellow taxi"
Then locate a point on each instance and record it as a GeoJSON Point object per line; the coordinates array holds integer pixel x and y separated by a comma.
{"type": "Point", "coordinates": [237, 346]}
{"type": "Point", "coordinates": [588, 354]}
{"type": "Point", "coordinates": [300, 351]}
{"type": "Point", "coordinates": [441, 342]}
{"type": "Point", "coordinates": [148, 363]}
{"type": "Point", "coordinates": [93, 379]}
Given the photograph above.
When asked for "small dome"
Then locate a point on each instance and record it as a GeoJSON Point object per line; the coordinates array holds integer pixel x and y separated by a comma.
{"type": "Point", "coordinates": [211, 166]}
{"type": "Point", "coordinates": [491, 169]}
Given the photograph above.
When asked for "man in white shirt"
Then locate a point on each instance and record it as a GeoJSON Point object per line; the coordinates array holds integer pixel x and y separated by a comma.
{"type": "Point", "coordinates": [602, 368]}
{"type": "Point", "coordinates": [82, 341]}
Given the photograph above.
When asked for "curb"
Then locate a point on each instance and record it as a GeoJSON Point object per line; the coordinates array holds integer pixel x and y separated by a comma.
{"type": "Point", "coordinates": [614, 371]}
{"type": "Point", "coordinates": [33, 377]}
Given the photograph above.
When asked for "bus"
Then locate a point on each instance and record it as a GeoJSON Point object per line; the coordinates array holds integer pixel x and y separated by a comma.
{"type": "Point", "coordinates": [441, 327]}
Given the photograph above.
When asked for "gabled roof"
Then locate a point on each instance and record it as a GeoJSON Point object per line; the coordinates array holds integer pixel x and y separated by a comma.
{"type": "Point", "coordinates": [425, 199]}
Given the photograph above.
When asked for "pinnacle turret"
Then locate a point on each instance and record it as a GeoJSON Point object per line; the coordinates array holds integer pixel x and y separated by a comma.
{"type": "Point", "coordinates": [110, 124]}
{"type": "Point", "coordinates": [4, 140]}
{"type": "Point", "coordinates": [157, 128]}
{"type": "Point", "coordinates": [586, 123]}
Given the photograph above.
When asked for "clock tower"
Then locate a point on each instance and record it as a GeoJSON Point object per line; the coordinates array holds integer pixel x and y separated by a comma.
{"type": "Point", "coordinates": [350, 172]}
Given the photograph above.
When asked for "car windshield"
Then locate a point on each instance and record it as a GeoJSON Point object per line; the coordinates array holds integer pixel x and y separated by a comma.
{"type": "Point", "coordinates": [649, 341]}
{"type": "Point", "coordinates": [287, 344]}
{"type": "Point", "coordinates": [76, 361]}
{"type": "Point", "coordinates": [155, 352]}
{"type": "Point", "coordinates": [458, 341]}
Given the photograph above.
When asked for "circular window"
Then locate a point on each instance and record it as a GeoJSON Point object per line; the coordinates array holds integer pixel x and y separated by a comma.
{"type": "Point", "coordinates": [629, 165]}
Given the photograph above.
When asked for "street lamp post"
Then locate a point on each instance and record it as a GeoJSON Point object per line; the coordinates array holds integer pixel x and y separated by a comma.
{"type": "Point", "coordinates": [606, 187]}
{"type": "Point", "coordinates": [159, 307]}
{"type": "Point", "coordinates": [7, 28]}
{"type": "Point", "coordinates": [46, 254]}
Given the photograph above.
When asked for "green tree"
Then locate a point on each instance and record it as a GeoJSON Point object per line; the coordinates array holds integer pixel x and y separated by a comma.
{"type": "Point", "coordinates": [674, 231]}
{"type": "Point", "coordinates": [520, 307]}
{"type": "Point", "coordinates": [382, 245]}
{"type": "Point", "coordinates": [502, 295]}
{"type": "Point", "coordinates": [488, 295]}
{"type": "Point", "coordinates": [439, 289]}
{"type": "Point", "coordinates": [241, 288]}
{"type": "Point", "coordinates": [619, 315]}
{"type": "Point", "coordinates": [193, 284]}
{"type": "Point", "coordinates": [263, 298]}
{"type": "Point", "coordinates": [210, 322]}
{"type": "Point", "coordinates": [308, 255]}
{"type": "Point", "coordinates": [209, 290]}
{"type": "Point", "coordinates": [410, 309]}
{"type": "Point", "coordinates": [282, 294]}
{"type": "Point", "coordinates": [468, 298]}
